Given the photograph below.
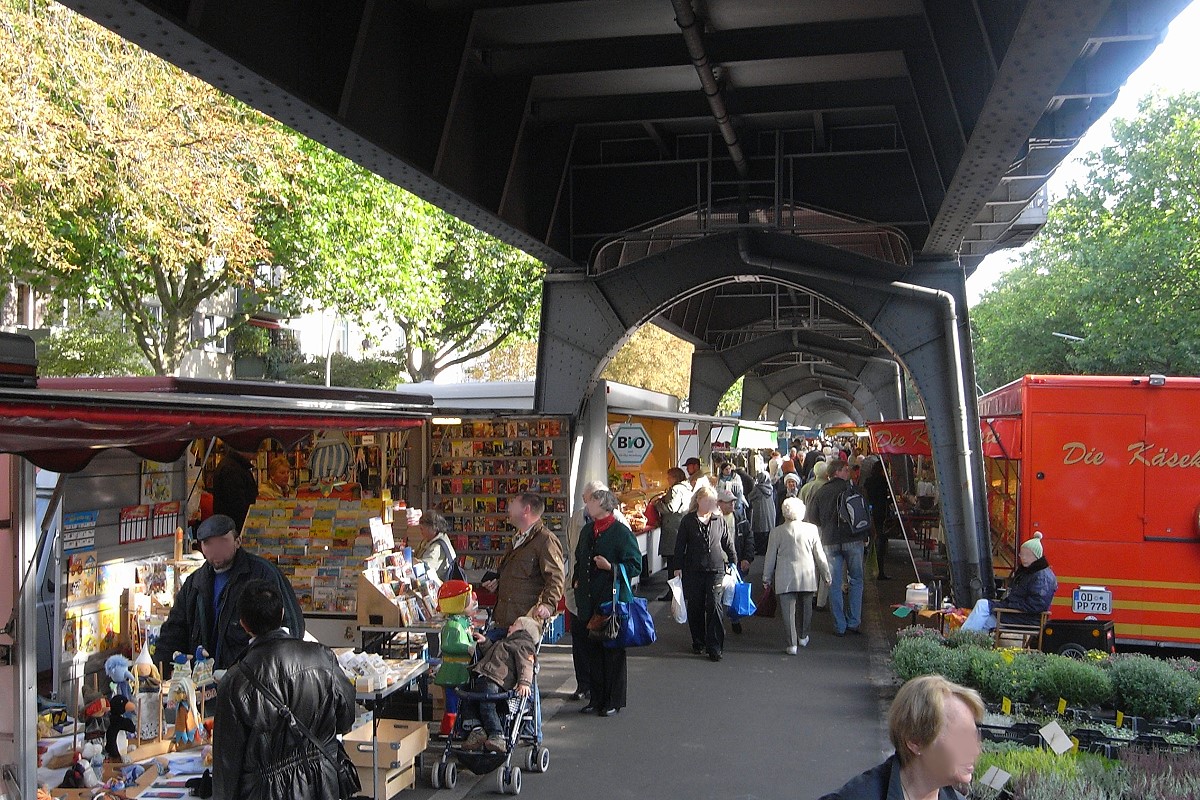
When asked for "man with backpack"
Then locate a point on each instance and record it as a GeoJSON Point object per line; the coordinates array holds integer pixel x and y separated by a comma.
{"type": "Point", "coordinates": [844, 521]}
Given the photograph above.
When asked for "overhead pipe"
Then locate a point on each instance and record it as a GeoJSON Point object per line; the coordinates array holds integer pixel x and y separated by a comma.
{"type": "Point", "coordinates": [685, 18]}
{"type": "Point", "coordinates": [948, 306]}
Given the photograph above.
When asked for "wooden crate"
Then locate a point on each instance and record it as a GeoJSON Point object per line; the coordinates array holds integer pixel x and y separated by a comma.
{"type": "Point", "coordinates": [398, 743]}
{"type": "Point", "coordinates": [391, 782]}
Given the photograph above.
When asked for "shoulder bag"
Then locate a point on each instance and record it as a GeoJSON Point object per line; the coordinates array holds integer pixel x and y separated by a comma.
{"type": "Point", "coordinates": [349, 784]}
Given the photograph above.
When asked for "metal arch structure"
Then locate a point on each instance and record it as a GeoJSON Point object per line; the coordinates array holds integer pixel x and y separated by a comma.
{"type": "Point", "coordinates": [760, 393]}
{"type": "Point", "coordinates": [815, 412]}
{"type": "Point", "coordinates": [714, 371]}
{"type": "Point", "coordinates": [585, 321]}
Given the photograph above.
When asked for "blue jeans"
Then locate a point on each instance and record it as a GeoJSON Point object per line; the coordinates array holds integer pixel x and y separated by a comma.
{"type": "Point", "coordinates": [848, 557]}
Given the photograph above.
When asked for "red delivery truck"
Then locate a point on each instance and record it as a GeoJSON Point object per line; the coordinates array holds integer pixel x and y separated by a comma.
{"type": "Point", "coordinates": [1108, 469]}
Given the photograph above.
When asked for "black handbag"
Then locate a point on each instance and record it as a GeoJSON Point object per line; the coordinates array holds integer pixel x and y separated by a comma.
{"type": "Point", "coordinates": [349, 784]}
{"type": "Point", "coordinates": [606, 627]}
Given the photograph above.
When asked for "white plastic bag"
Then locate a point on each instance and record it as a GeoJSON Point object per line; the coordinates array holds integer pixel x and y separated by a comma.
{"type": "Point", "coordinates": [728, 583]}
{"type": "Point", "coordinates": [678, 608]}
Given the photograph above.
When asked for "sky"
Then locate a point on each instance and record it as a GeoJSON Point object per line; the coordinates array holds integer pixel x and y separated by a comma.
{"type": "Point", "coordinates": [1173, 67]}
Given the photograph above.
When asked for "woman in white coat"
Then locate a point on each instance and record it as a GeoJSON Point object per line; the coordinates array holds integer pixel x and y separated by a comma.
{"type": "Point", "coordinates": [795, 558]}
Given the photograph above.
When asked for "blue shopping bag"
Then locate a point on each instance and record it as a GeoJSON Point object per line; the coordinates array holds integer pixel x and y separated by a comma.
{"type": "Point", "coordinates": [636, 624]}
{"type": "Point", "coordinates": [741, 604]}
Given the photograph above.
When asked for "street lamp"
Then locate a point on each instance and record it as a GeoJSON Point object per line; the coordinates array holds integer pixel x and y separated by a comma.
{"type": "Point", "coordinates": [1067, 336]}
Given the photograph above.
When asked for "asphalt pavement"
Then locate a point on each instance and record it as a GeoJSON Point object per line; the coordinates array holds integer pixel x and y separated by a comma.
{"type": "Point", "coordinates": [757, 725]}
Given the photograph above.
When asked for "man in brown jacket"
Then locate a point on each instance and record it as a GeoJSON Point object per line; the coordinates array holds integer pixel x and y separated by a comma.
{"type": "Point", "coordinates": [531, 571]}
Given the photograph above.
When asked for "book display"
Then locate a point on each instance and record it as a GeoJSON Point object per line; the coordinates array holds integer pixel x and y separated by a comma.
{"type": "Point", "coordinates": [320, 545]}
{"type": "Point", "coordinates": [478, 465]}
{"type": "Point", "coordinates": [395, 591]}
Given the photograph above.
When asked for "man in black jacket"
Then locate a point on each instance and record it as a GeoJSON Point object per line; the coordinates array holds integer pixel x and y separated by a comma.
{"type": "Point", "coordinates": [843, 549]}
{"type": "Point", "coordinates": [258, 752]}
{"type": "Point", "coordinates": [205, 610]}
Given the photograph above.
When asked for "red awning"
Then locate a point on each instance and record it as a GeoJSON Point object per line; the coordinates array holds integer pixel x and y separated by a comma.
{"type": "Point", "coordinates": [63, 431]}
{"type": "Point", "coordinates": [900, 438]}
{"type": "Point", "coordinates": [1001, 437]}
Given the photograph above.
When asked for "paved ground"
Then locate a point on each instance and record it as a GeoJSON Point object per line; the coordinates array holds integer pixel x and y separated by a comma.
{"type": "Point", "coordinates": [758, 724]}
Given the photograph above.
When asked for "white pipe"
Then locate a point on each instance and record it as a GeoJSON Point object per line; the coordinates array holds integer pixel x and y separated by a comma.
{"type": "Point", "coordinates": [948, 307]}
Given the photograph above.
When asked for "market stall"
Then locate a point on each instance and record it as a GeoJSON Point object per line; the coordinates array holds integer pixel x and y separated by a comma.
{"type": "Point", "coordinates": [129, 454]}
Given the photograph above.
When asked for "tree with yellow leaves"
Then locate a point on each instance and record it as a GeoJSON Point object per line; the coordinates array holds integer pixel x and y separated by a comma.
{"type": "Point", "coordinates": [128, 183]}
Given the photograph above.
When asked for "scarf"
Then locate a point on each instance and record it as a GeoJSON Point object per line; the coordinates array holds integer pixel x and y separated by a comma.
{"type": "Point", "coordinates": [599, 526]}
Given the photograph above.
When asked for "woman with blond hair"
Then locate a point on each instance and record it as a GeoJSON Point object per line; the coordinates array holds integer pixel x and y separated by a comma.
{"type": "Point", "coordinates": [795, 559]}
{"type": "Point", "coordinates": [703, 547]}
{"type": "Point", "coordinates": [277, 485]}
{"type": "Point", "coordinates": [932, 726]}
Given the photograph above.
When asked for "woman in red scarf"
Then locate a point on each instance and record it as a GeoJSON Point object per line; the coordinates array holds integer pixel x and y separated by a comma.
{"type": "Point", "coordinates": [604, 543]}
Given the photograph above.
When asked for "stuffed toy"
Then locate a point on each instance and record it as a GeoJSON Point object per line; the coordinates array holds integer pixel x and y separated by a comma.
{"type": "Point", "coordinates": [82, 774]}
{"type": "Point", "coordinates": [187, 718]}
{"type": "Point", "coordinates": [95, 715]}
{"type": "Point", "coordinates": [117, 668]}
{"type": "Point", "coordinates": [202, 668]}
{"type": "Point", "coordinates": [145, 670]}
{"type": "Point", "coordinates": [120, 718]}
{"type": "Point", "coordinates": [181, 666]}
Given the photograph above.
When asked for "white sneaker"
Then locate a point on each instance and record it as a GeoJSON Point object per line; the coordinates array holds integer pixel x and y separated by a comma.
{"type": "Point", "coordinates": [791, 651]}
{"type": "Point", "coordinates": [804, 642]}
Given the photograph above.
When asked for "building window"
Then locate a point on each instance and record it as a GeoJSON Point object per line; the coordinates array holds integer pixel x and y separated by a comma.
{"type": "Point", "coordinates": [212, 324]}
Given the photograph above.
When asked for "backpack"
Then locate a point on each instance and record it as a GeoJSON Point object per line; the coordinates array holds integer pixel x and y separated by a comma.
{"type": "Point", "coordinates": [853, 511]}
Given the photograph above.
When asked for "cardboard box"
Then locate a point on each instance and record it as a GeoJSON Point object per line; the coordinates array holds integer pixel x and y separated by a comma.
{"type": "Point", "coordinates": [398, 742]}
{"type": "Point", "coordinates": [391, 782]}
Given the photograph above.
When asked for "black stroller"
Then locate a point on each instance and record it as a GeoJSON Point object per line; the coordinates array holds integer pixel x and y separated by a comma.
{"type": "Point", "coordinates": [522, 724]}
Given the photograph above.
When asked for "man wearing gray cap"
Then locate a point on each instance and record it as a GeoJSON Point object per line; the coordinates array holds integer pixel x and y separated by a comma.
{"type": "Point", "coordinates": [205, 610]}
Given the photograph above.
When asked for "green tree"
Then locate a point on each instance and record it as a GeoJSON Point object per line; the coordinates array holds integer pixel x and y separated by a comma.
{"type": "Point", "coordinates": [364, 373]}
{"type": "Point", "coordinates": [125, 182]}
{"type": "Point", "coordinates": [93, 345]}
{"type": "Point", "coordinates": [1117, 264]}
{"type": "Point", "coordinates": [372, 251]}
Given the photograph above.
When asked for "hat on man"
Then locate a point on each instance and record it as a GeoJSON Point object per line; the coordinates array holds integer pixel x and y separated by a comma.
{"type": "Point", "coordinates": [1034, 545]}
{"type": "Point", "coordinates": [216, 525]}
{"type": "Point", "coordinates": [726, 496]}
{"type": "Point", "coordinates": [691, 461]}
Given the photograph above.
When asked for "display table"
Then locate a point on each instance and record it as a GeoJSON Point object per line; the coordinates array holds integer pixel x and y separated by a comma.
{"type": "Point", "coordinates": [402, 742]}
{"type": "Point", "coordinates": [402, 642]}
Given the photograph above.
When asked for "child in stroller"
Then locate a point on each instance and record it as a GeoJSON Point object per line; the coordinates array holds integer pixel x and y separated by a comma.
{"type": "Point", "coordinates": [506, 665]}
{"type": "Point", "coordinates": [500, 712]}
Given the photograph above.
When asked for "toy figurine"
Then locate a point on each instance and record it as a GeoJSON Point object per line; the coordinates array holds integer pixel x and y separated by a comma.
{"type": "Point", "coordinates": [117, 668]}
{"type": "Point", "coordinates": [187, 719]}
{"type": "Point", "coordinates": [120, 718]}
{"type": "Point", "coordinates": [82, 774]}
{"type": "Point", "coordinates": [181, 666]}
{"type": "Point", "coordinates": [145, 670]}
{"type": "Point", "coordinates": [457, 602]}
{"type": "Point", "coordinates": [95, 715]}
{"type": "Point", "coordinates": [202, 668]}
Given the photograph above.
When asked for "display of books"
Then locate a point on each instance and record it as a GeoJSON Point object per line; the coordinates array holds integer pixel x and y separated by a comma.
{"type": "Point", "coordinates": [479, 465]}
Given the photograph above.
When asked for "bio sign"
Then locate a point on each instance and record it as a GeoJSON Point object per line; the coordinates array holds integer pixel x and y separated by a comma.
{"type": "Point", "coordinates": [630, 444]}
